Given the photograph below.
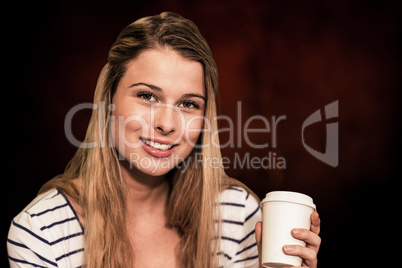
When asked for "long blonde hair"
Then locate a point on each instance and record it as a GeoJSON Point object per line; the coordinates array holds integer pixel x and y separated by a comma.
{"type": "Point", "coordinates": [192, 203]}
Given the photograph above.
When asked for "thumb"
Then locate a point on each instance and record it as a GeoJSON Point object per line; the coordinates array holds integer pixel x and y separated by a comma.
{"type": "Point", "coordinates": [258, 238]}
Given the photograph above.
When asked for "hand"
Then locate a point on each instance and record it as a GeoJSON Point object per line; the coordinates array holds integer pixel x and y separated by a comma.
{"type": "Point", "coordinates": [307, 253]}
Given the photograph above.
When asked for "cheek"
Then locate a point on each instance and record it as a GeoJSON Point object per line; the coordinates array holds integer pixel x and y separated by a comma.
{"type": "Point", "coordinates": [193, 129]}
{"type": "Point", "coordinates": [126, 125]}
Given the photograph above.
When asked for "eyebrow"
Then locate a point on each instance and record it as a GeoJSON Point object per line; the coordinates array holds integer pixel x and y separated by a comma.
{"type": "Point", "coordinates": [148, 85]}
{"type": "Point", "coordinates": [194, 95]}
{"type": "Point", "coordinates": [153, 87]}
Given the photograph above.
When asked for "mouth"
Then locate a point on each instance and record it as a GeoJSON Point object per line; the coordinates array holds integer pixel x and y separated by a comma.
{"type": "Point", "coordinates": [159, 145]}
{"type": "Point", "coordinates": [158, 148]}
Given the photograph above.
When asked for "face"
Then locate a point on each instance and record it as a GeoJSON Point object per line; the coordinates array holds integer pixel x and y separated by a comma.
{"type": "Point", "coordinates": [158, 110]}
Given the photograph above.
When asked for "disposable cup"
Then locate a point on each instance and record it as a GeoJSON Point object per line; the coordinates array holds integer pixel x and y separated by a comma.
{"type": "Point", "coordinates": [281, 212]}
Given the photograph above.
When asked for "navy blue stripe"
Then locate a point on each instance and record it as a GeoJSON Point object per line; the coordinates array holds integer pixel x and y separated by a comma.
{"type": "Point", "coordinates": [236, 189]}
{"type": "Point", "coordinates": [224, 254]}
{"type": "Point", "coordinates": [69, 254]}
{"type": "Point", "coordinates": [30, 232]}
{"type": "Point", "coordinates": [233, 222]}
{"type": "Point", "coordinates": [66, 237]}
{"type": "Point", "coordinates": [47, 210]}
{"type": "Point", "coordinates": [56, 194]}
{"type": "Point", "coordinates": [45, 260]}
{"type": "Point", "coordinates": [252, 232]}
{"type": "Point", "coordinates": [16, 243]}
{"type": "Point", "coordinates": [232, 204]}
{"type": "Point", "coordinates": [230, 239]}
{"type": "Point", "coordinates": [248, 194]}
{"type": "Point", "coordinates": [247, 259]}
{"type": "Point", "coordinates": [25, 262]}
{"type": "Point", "coordinates": [246, 248]}
{"type": "Point", "coordinates": [24, 246]}
{"type": "Point", "coordinates": [72, 209]}
{"type": "Point", "coordinates": [57, 223]}
{"type": "Point", "coordinates": [238, 241]}
{"type": "Point", "coordinates": [252, 214]}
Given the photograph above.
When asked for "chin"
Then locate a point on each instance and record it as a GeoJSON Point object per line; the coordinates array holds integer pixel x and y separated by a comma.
{"type": "Point", "coordinates": [155, 171]}
{"type": "Point", "coordinates": [151, 166]}
{"type": "Point", "coordinates": [140, 161]}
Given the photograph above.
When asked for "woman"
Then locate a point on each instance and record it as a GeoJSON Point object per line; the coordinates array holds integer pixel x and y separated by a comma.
{"type": "Point", "coordinates": [139, 191]}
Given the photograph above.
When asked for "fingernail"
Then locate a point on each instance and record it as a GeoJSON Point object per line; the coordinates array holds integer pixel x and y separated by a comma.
{"type": "Point", "coordinates": [289, 248]}
{"type": "Point", "coordinates": [296, 232]}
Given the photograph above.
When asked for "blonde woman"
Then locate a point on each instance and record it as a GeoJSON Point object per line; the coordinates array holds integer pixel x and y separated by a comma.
{"type": "Point", "coordinates": [141, 190]}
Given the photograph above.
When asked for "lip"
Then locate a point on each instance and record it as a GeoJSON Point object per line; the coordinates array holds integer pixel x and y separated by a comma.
{"type": "Point", "coordinates": [159, 141]}
{"type": "Point", "coordinates": [157, 152]}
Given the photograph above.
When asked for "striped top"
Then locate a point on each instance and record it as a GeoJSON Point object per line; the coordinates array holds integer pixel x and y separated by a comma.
{"type": "Point", "coordinates": [48, 233]}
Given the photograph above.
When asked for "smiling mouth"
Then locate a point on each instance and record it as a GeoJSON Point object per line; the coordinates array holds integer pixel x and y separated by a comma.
{"type": "Point", "coordinates": [157, 145]}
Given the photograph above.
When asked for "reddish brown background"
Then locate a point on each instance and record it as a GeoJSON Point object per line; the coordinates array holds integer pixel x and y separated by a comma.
{"type": "Point", "coordinates": [277, 57]}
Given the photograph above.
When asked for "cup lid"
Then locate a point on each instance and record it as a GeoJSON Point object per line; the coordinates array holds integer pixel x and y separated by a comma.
{"type": "Point", "coordinates": [287, 196]}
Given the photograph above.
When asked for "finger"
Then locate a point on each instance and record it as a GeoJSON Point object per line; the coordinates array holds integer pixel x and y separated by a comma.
{"type": "Point", "coordinates": [312, 240]}
{"type": "Point", "coordinates": [258, 232]}
{"type": "Point", "coordinates": [258, 237]}
{"type": "Point", "coordinates": [315, 223]}
{"type": "Point", "coordinates": [308, 255]}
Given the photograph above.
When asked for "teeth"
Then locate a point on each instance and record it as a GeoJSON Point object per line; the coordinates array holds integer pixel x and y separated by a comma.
{"type": "Point", "coordinates": [158, 145]}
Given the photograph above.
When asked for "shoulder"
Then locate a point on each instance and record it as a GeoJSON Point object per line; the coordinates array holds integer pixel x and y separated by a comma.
{"type": "Point", "coordinates": [43, 202]}
{"type": "Point", "coordinates": [240, 211]}
{"type": "Point", "coordinates": [46, 211]}
{"type": "Point", "coordinates": [238, 203]}
{"type": "Point", "coordinates": [42, 232]}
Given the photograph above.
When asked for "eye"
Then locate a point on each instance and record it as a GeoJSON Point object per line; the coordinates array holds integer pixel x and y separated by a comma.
{"type": "Point", "coordinates": [189, 105]}
{"type": "Point", "coordinates": [148, 96]}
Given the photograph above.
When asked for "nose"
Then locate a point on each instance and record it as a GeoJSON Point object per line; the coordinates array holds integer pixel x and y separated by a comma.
{"type": "Point", "coordinates": [166, 120]}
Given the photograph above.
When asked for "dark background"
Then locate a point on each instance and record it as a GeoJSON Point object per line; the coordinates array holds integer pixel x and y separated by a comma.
{"type": "Point", "coordinates": [276, 57]}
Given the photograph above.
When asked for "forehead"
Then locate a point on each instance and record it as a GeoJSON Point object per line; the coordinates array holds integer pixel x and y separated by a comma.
{"type": "Point", "coordinates": [167, 69]}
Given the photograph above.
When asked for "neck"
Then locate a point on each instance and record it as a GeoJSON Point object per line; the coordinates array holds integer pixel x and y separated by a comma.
{"type": "Point", "coordinates": [146, 195]}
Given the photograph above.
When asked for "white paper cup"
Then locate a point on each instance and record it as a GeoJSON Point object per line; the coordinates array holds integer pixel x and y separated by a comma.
{"type": "Point", "coordinates": [281, 212]}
